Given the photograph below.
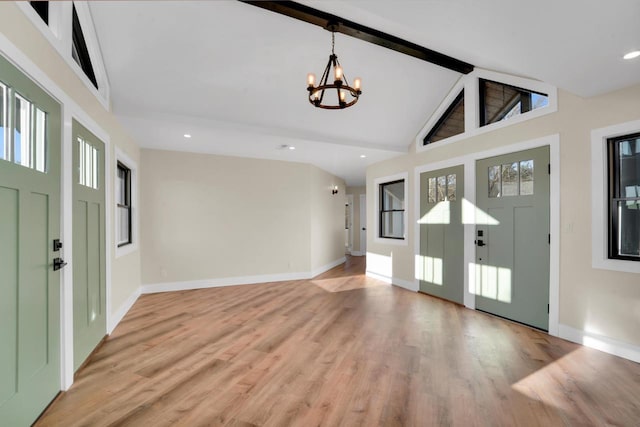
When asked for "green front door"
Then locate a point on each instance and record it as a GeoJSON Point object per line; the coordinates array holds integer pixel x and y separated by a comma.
{"type": "Point", "coordinates": [89, 274]}
{"type": "Point", "coordinates": [30, 134]}
{"type": "Point", "coordinates": [441, 261]}
{"type": "Point", "coordinates": [512, 240]}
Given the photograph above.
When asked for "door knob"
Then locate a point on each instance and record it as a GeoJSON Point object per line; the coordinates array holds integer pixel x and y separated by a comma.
{"type": "Point", "coordinates": [58, 263]}
{"type": "Point", "coordinates": [364, 229]}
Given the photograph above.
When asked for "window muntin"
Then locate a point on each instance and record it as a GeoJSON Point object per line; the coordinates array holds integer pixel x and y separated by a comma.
{"type": "Point", "coordinates": [511, 179]}
{"type": "Point", "coordinates": [499, 101]}
{"type": "Point", "coordinates": [624, 197]}
{"type": "Point", "coordinates": [451, 123]}
{"type": "Point", "coordinates": [79, 51]}
{"type": "Point", "coordinates": [123, 204]}
{"type": "Point", "coordinates": [392, 210]}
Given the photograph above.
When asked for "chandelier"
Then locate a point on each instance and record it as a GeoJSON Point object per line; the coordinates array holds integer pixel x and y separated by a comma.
{"type": "Point", "coordinates": [345, 95]}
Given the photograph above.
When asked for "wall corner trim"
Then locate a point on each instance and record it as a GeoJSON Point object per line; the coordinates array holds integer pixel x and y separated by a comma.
{"type": "Point", "coordinates": [600, 342]}
{"type": "Point", "coordinates": [117, 317]}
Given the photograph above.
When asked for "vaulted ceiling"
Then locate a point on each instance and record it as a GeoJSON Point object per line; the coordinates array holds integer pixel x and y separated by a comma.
{"type": "Point", "coordinates": [233, 76]}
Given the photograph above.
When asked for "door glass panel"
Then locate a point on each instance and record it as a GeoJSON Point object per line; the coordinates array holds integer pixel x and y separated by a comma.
{"type": "Point", "coordinates": [3, 120]}
{"type": "Point", "coordinates": [41, 140]}
{"type": "Point", "coordinates": [494, 181]}
{"type": "Point", "coordinates": [526, 177]}
{"type": "Point", "coordinates": [451, 187]}
{"type": "Point", "coordinates": [87, 164]}
{"type": "Point", "coordinates": [432, 190]}
{"type": "Point", "coordinates": [22, 135]}
{"type": "Point", "coordinates": [510, 179]}
{"type": "Point", "coordinates": [442, 188]}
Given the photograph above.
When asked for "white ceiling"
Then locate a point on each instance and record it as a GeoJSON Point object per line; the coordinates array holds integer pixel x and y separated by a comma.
{"type": "Point", "coordinates": [234, 76]}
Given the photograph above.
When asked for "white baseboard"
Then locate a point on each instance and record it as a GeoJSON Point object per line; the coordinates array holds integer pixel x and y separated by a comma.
{"type": "Point", "coordinates": [600, 342]}
{"type": "Point", "coordinates": [327, 267]}
{"type": "Point", "coordinates": [122, 311]}
{"type": "Point", "coordinates": [357, 253]}
{"type": "Point", "coordinates": [235, 281]}
{"type": "Point", "coordinates": [411, 286]}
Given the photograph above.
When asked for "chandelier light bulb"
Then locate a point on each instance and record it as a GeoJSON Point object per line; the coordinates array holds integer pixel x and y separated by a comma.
{"type": "Point", "coordinates": [356, 83]}
{"type": "Point", "coordinates": [338, 72]}
{"type": "Point", "coordinates": [342, 96]}
{"type": "Point", "coordinates": [311, 79]}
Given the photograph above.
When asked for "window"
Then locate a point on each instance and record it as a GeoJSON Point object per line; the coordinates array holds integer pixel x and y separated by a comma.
{"type": "Point", "coordinates": [511, 179]}
{"type": "Point", "coordinates": [79, 51]}
{"type": "Point", "coordinates": [23, 139]}
{"type": "Point", "coordinates": [123, 204]}
{"type": "Point", "coordinates": [392, 209]}
{"type": "Point", "coordinates": [42, 9]}
{"type": "Point", "coordinates": [442, 188]}
{"type": "Point", "coordinates": [451, 123]}
{"type": "Point", "coordinates": [499, 101]}
{"type": "Point", "coordinates": [624, 197]}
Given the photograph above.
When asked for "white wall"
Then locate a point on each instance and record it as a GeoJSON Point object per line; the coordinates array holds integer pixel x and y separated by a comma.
{"type": "Point", "coordinates": [206, 218]}
{"type": "Point", "coordinates": [598, 303]}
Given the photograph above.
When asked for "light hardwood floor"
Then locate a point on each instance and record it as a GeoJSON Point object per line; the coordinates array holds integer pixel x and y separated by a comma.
{"type": "Point", "coordinates": [341, 349]}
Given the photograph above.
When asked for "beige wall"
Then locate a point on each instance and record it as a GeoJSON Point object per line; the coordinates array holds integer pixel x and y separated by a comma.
{"type": "Point", "coordinates": [596, 301]}
{"type": "Point", "coordinates": [327, 218]}
{"type": "Point", "coordinates": [27, 38]}
{"type": "Point", "coordinates": [210, 217]}
{"type": "Point", "coordinates": [356, 192]}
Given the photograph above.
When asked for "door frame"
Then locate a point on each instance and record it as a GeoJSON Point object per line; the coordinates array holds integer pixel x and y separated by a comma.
{"type": "Point", "coordinates": [70, 110]}
{"type": "Point", "coordinates": [350, 203]}
{"type": "Point", "coordinates": [363, 233]}
{"type": "Point", "coordinates": [468, 212]}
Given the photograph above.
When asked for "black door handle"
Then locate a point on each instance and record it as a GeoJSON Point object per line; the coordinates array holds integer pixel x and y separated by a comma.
{"type": "Point", "coordinates": [58, 263]}
{"type": "Point", "coordinates": [364, 229]}
{"type": "Point", "coordinates": [479, 243]}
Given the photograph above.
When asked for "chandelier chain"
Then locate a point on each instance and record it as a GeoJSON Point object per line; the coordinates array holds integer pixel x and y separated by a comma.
{"type": "Point", "coordinates": [333, 42]}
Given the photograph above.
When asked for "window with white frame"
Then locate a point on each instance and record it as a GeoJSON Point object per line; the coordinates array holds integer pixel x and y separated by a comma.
{"type": "Point", "coordinates": [623, 154]}
{"type": "Point", "coordinates": [123, 205]}
{"type": "Point", "coordinates": [392, 209]}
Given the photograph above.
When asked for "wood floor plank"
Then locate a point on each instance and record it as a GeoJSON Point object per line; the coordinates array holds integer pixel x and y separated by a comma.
{"type": "Point", "coordinates": [341, 349]}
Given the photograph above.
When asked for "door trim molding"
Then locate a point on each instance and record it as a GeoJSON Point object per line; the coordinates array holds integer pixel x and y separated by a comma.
{"type": "Point", "coordinates": [469, 163]}
{"type": "Point", "coordinates": [70, 109]}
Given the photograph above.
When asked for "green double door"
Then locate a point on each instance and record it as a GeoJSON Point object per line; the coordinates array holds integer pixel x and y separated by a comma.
{"type": "Point", "coordinates": [30, 259]}
{"type": "Point", "coordinates": [441, 260]}
{"type": "Point", "coordinates": [30, 135]}
{"type": "Point", "coordinates": [512, 242]}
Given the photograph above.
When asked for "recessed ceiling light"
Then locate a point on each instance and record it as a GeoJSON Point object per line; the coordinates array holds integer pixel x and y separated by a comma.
{"type": "Point", "coordinates": [291, 147]}
{"type": "Point", "coordinates": [632, 55]}
{"type": "Point", "coordinates": [362, 156]}
{"type": "Point", "coordinates": [187, 135]}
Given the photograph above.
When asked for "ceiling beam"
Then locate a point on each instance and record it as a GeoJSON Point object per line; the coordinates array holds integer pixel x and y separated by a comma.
{"type": "Point", "coordinates": [344, 26]}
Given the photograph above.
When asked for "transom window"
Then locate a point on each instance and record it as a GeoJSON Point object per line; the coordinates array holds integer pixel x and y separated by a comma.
{"type": "Point", "coordinates": [511, 179]}
{"type": "Point", "coordinates": [392, 210]}
{"type": "Point", "coordinates": [24, 140]}
{"type": "Point", "coordinates": [451, 123]}
{"type": "Point", "coordinates": [442, 188]}
{"type": "Point", "coordinates": [499, 101]}
{"type": "Point", "coordinates": [79, 51]}
{"type": "Point", "coordinates": [624, 197]}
